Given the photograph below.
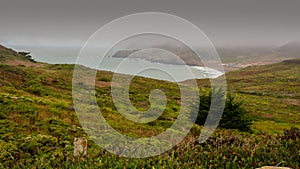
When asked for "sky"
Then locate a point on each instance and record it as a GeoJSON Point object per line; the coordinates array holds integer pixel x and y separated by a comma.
{"type": "Point", "coordinates": [72, 22]}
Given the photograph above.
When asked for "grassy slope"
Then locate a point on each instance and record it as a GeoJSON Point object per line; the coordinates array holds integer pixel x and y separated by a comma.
{"type": "Point", "coordinates": [8, 54]}
{"type": "Point", "coordinates": [38, 121]}
{"type": "Point", "coordinates": [270, 93]}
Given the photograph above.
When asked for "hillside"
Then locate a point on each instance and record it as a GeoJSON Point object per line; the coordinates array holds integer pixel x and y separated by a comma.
{"type": "Point", "coordinates": [184, 55]}
{"type": "Point", "coordinates": [290, 49]}
{"type": "Point", "coordinates": [233, 57]}
{"type": "Point", "coordinates": [270, 92]}
{"type": "Point", "coordinates": [38, 122]}
{"type": "Point", "coordinates": [8, 55]}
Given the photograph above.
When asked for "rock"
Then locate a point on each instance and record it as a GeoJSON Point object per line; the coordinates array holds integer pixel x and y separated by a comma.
{"type": "Point", "coordinates": [80, 147]}
{"type": "Point", "coordinates": [273, 167]}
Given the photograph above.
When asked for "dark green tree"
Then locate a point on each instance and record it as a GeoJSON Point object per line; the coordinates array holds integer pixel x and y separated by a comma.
{"type": "Point", "coordinates": [234, 115]}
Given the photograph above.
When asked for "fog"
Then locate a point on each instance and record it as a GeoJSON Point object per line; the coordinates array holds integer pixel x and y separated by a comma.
{"type": "Point", "coordinates": [72, 22]}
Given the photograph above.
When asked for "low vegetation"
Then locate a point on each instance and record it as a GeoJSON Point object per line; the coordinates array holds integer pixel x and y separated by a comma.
{"type": "Point", "coordinates": [38, 122]}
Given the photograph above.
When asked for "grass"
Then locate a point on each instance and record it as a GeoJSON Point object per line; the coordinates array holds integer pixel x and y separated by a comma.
{"type": "Point", "coordinates": [270, 93]}
{"type": "Point", "coordinates": [38, 121]}
{"type": "Point", "coordinates": [271, 127]}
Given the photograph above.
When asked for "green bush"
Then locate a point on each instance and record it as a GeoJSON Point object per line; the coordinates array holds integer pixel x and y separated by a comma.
{"type": "Point", "coordinates": [105, 79]}
{"type": "Point", "coordinates": [234, 115]}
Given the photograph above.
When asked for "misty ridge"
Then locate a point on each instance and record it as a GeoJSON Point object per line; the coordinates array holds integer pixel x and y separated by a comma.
{"type": "Point", "coordinates": [230, 56]}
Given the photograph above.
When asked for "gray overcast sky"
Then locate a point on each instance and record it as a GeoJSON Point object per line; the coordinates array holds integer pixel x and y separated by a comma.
{"type": "Point", "coordinates": [71, 22]}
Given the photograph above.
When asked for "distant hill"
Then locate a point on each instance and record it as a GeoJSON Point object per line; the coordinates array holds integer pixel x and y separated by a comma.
{"type": "Point", "coordinates": [233, 58]}
{"type": "Point", "coordinates": [154, 56]}
{"type": "Point", "coordinates": [290, 49]}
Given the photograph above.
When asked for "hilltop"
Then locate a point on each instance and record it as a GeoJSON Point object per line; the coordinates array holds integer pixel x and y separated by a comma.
{"type": "Point", "coordinates": [38, 122]}
{"type": "Point", "coordinates": [9, 55]}
{"type": "Point", "coordinates": [290, 49]}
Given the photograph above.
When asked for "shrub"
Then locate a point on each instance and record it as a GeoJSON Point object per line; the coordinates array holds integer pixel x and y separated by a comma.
{"type": "Point", "coordinates": [37, 89]}
{"type": "Point", "coordinates": [292, 134]}
{"type": "Point", "coordinates": [234, 115]}
{"type": "Point", "coordinates": [105, 79]}
{"type": "Point", "coordinates": [8, 151]}
{"type": "Point", "coordinates": [38, 143]}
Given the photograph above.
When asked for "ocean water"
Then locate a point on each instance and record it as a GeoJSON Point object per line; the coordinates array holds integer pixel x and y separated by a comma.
{"type": "Point", "coordinates": [137, 67]}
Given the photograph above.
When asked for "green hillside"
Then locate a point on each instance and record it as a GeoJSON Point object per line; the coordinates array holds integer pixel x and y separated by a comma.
{"type": "Point", "coordinates": [7, 55]}
{"type": "Point", "coordinates": [38, 122]}
{"type": "Point", "coordinates": [270, 93]}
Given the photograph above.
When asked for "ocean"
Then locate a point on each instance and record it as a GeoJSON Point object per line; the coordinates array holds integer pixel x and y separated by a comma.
{"type": "Point", "coordinates": [137, 67]}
